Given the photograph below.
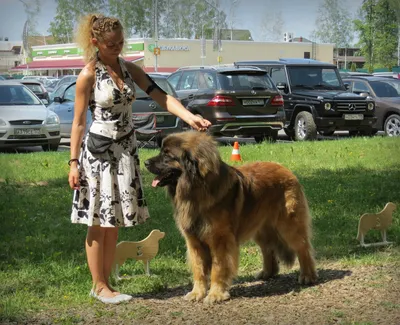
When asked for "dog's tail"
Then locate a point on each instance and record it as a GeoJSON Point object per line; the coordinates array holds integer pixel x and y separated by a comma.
{"type": "Point", "coordinates": [283, 252]}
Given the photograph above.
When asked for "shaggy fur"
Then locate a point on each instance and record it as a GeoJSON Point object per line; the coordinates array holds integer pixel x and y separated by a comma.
{"type": "Point", "coordinates": [218, 207]}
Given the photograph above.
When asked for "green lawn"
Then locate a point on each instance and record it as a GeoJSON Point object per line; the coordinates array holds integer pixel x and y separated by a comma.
{"type": "Point", "coordinates": [42, 260]}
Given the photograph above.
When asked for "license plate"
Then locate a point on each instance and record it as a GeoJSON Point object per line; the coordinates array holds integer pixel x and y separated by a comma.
{"type": "Point", "coordinates": [27, 131]}
{"type": "Point", "coordinates": [353, 116]}
{"type": "Point", "coordinates": [253, 102]}
{"type": "Point", "coordinates": [160, 119]}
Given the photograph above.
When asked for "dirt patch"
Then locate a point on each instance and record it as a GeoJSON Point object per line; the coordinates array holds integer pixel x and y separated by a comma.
{"type": "Point", "coordinates": [359, 296]}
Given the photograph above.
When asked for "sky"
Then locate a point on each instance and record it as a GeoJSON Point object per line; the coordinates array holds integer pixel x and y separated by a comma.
{"type": "Point", "coordinates": [299, 15]}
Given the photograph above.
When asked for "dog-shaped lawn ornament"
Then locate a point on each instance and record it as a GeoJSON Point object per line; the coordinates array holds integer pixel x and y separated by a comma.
{"type": "Point", "coordinates": [380, 221]}
{"type": "Point", "coordinates": [144, 250]}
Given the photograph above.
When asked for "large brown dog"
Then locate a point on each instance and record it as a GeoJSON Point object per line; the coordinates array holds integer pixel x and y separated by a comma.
{"type": "Point", "coordinates": [218, 207]}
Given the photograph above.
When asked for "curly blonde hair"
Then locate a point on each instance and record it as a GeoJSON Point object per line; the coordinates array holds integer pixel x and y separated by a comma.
{"type": "Point", "coordinates": [94, 26]}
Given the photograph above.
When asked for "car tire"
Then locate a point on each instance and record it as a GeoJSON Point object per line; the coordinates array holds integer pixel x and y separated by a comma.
{"type": "Point", "coordinates": [392, 126]}
{"type": "Point", "coordinates": [50, 147]}
{"type": "Point", "coordinates": [271, 136]}
{"type": "Point", "coordinates": [305, 128]}
{"type": "Point", "coordinates": [326, 133]}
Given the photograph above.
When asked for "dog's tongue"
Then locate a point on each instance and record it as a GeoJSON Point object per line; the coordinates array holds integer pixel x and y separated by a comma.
{"type": "Point", "coordinates": [155, 182]}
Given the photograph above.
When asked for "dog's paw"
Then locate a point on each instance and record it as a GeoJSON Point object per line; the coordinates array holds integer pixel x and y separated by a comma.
{"type": "Point", "coordinates": [195, 295]}
{"type": "Point", "coordinates": [308, 278]}
{"type": "Point", "coordinates": [217, 296]}
{"type": "Point", "coordinates": [265, 275]}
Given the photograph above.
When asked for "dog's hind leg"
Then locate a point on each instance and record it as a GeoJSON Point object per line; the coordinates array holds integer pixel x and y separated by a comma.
{"type": "Point", "coordinates": [265, 239]}
{"type": "Point", "coordinates": [200, 262]}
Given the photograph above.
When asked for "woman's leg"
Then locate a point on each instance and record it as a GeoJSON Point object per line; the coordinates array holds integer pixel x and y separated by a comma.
{"type": "Point", "coordinates": [95, 241]}
{"type": "Point", "coordinates": [110, 244]}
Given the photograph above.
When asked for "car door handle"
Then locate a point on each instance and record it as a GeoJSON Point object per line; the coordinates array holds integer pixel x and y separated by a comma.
{"type": "Point", "coordinates": [191, 96]}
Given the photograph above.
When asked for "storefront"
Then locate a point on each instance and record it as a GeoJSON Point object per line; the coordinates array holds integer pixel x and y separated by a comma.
{"type": "Point", "coordinates": [167, 55]}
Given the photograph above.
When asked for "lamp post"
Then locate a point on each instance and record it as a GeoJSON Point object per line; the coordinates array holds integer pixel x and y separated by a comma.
{"type": "Point", "coordinates": [218, 28]}
{"type": "Point", "coordinates": [155, 4]}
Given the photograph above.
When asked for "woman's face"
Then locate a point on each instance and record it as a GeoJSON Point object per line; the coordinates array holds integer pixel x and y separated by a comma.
{"type": "Point", "coordinates": [112, 43]}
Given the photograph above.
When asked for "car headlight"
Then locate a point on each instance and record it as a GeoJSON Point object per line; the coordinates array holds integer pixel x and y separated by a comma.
{"type": "Point", "coordinates": [2, 122]}
{"type": "Point", "coordinates": [371, 106]}
{"type": "Point", "coordinates": [52, 119]}
{"type": "Point", "coordinates": [328, 106]}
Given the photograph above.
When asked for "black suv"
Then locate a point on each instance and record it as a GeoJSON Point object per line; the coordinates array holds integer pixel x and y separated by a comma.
{"type": "Point", "coordinates": [316, 99]}
{"type": "Point", "coordinates": [237, 101]}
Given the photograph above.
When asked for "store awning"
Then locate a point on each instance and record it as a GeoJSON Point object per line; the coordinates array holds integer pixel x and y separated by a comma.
{"type": "Point", "coordinates": [160, 69]}
{"type": "Point", "coordinates": [66, 64]}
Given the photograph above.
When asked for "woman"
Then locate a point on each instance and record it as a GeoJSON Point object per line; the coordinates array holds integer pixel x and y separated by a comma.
{"type": "Point", "coordinates": [108, 190]}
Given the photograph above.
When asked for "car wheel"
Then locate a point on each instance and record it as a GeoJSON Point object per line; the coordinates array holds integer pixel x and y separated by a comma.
{"type": "Point", "coordinates": [305, 128]}
{"type": "Point", "coordinates": [392, 126]}
{"type": "Point", "coordinates": [326, 133]}
{"type": "Point", "coordinates": [50, 147]}
{"type": "Point", "coordinates": [289, 132]}
{"type": "Point", "coordinates": [268, 137]}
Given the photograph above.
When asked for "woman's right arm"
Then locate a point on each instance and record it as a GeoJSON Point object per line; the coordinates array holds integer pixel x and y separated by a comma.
{"type": "Point", "coordinates": [84, 85]}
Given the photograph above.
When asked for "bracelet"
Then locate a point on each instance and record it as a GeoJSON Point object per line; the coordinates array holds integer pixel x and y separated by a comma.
{"type": "Point", "coordinates": [72, 160]}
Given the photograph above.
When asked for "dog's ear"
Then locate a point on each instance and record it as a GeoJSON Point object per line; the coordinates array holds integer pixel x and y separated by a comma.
{"type": "Point", "coordinates": [190, 164]}
{"type": "Point", "coordinates": [208, 159]}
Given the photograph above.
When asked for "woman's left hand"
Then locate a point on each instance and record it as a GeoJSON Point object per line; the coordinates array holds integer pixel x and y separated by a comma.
{"type": "Point", "coordinates": [198, 123]}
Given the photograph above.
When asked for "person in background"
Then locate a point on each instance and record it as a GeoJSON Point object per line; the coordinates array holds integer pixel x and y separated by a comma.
{"type": "Point", "coordinates": [108, 191]}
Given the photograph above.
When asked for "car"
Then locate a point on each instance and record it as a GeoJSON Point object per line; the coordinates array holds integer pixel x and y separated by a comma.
{"type": "Point", "coordinates": [344, 74]}
{"type": "Point", "coordinates": [67, 79]}
{"type": "Point", "coordinates": [63, 106]}
{"type": "Point", "coordinates": [57, 92]}
{"type": "Point", "coordinates": [25, 120]}
{"type": "Point", "coordinates": [37, 88]}
{"type": "Point", "coordinates": [316, 100]}
{"type": "Point", "coordinates": [394, 75]}
{"type": "Point", "coordinates": [386, 93]}
{"type": "Point", "coordinates": [238, 101]}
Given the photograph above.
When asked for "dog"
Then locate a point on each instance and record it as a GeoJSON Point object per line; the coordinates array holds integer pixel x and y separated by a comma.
{"type": "Point", "coordinates": [218, 207]}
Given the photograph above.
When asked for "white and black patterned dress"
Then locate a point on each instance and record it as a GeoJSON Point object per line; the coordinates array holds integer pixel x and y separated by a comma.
{"type": "Point", "coordinates": [110, 193]}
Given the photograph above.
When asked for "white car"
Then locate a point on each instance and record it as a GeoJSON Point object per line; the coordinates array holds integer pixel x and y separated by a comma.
{"type": "Point", "coordinates": [25, 120]}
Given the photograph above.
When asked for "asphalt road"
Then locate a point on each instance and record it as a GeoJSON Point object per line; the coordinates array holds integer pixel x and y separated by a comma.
{"type": "Point", "coordinates": [282, 138]}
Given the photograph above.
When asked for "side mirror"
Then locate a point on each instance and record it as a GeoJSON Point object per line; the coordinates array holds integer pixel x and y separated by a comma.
{"type": "Point", "coordinates": [347, 86]}
{"type": "Point", "coordinates": [364, 94]}
{"type": "Point", "coordinates": [282, 86]}
{"type": "Point", "coordinates": [45, 102]}
{"type": "Point", "coordinates": [57, 99]}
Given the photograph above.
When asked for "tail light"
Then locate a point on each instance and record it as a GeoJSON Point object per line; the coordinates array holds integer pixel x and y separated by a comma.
{"type": "Point", "coordinates": [277, 101]}
{"type": "Point", "coordinates": [221, 101]}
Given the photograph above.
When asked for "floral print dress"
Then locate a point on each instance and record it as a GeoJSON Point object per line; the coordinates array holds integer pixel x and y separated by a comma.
{"type": "Point", "coordinates": [110, 193]}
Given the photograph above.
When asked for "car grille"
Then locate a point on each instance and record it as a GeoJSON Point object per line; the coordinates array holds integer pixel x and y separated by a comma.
{"type": "Point", "coordinates": [36, 136]}
{"type": "Point", "coordinates": [26, 122]}
{"type": "Point", "coordinates": [345, 107]}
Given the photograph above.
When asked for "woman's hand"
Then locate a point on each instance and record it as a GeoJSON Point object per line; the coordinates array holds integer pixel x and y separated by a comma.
{"type": "Point", "coordinates": [73, 178]}
{"type": "Point", "coordinates": [198, 123]}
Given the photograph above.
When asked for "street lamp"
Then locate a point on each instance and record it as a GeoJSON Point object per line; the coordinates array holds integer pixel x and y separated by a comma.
{"type": "Point", "coordinates": [218, 28]}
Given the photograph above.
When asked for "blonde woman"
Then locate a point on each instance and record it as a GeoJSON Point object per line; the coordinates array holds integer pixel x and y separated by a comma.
{"type": "Point", "coordinates": [104, 165]}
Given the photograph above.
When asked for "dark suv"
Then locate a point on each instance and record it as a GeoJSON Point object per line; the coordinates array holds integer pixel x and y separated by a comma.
{"type": "Point", "coordinates": [237, 101]}
{"type": "Point", "coordinates": [316, 100]}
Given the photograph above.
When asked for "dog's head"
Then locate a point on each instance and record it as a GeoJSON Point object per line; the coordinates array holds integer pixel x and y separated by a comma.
{"type": "Point", "coordinates": [188, 155]}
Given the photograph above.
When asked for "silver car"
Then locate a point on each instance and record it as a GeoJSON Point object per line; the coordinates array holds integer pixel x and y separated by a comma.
{"type": "Point", "coordinates": [25, 120]}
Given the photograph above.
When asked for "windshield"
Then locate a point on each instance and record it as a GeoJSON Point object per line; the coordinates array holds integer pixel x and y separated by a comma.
{"type": "Point", "coordinates": [245, 80]}
{"type": "Point", "coordinates": [17, 95]}
{"type": "Point", "coordinates": [161, 82]}
{"type": "Point", "coordinates": [387, 88]}
{"type": "Point", "coordinates": [314, 78]}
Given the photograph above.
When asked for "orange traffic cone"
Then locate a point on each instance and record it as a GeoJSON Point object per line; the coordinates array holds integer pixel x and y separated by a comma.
{"type": "Point", "coordinates": [235, 152]}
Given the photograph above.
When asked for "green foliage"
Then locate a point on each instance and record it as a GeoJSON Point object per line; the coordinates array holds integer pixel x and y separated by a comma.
{"type": "Point", "coordinates": [377, 27]}
{"type": "Point", "coordinates": [353, 67]}
{"type": "Point", "coordinates": [333, 24]}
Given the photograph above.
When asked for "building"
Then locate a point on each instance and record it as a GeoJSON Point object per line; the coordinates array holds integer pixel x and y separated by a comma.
{"type": "Point", "coordinates": [344, 57]}
{"type": "Point", "coordinates": [11, 55]}
{"type": "Point", "coordinates": [61, 59]}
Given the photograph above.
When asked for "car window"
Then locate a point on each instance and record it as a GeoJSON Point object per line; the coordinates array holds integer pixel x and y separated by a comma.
{"type": "Point", "coordinates": [17, 95]}
{"type": "Point", "coordinates": [386, 88]}
{"type": "Point", "coordinates": [278, 75]}
{"type": "Point", "coordinates": [188, 80]}
{"type": "Point", "coordinates": [34, 88]}
{"type": "Point", "coordinates": [161, 82]}
{"type": "Point", "coordinates": [174, 79]}
{"type": "Point", "coordinates": [70, 94]}
{"type": "Point", "coordinates": [360, 87]}
{"type": "Point", "coordinates": [207, 81]}
{"type": "Point", "coordinates": [245, 80]}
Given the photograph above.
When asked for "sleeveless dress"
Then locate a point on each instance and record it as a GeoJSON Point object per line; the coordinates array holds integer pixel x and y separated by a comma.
{"type": "Point", "coordinates": [110, 193]}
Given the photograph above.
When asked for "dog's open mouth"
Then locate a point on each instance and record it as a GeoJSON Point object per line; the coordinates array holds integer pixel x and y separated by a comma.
{"type": "Point", "coordinates": [165, 179]}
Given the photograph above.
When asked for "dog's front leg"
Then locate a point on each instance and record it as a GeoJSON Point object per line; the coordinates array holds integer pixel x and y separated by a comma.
{"type": "Point", "coordinates": [200, 262]}
{"type": "Point", "coordinates": [225, 256]}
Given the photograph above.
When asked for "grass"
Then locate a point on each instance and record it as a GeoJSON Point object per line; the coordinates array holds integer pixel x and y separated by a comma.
{"type": "Point", "coordinates": [42, 258]}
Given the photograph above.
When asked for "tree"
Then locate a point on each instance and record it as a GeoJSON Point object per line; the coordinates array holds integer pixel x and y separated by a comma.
{"type": "Point", "coordinates": [272, 25]}
{"type": "Point", "coordinates": [334, 24]}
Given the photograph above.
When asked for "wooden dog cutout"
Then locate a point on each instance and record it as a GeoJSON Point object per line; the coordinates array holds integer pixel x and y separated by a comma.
{"type": "Point", "coordinates": [144, 250]}
{"type": "Point", "coordinates": [380, 221]}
